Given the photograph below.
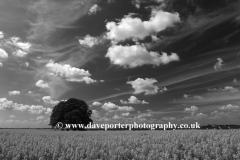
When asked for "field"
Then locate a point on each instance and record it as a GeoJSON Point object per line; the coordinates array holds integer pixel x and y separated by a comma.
{"type": "Point", "coordinates": [120, 145]}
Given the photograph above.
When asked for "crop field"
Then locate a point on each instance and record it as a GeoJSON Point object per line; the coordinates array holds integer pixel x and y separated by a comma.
{"type": "Point", "coordinates": [119, 145]}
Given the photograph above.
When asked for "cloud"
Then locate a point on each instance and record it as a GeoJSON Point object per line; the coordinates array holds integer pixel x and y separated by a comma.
{"type": "Point", "coordinates": [125, 114]}
{"type": "Point", "coordinates": [94, 9]}
{"type": "Point", "coordinates": [42, 84]}
{"type": "Point", "coordinates": [230, 107]}
{"type": "Point", "coordinates": [235, 80]}
{"type": "Point", "coordinates": [145, 86]}
{"type": "Point", "coordinates": [185, 96]}
{"type": "Point", "coordinates": [230, 88]}
{"type": "Point", "coordinates": [6, 104]}
{"type": "Point", "coordinates": [39, 118]}
{"type": "Point", "coordinates": [32, 109]}
{"type": "Point", "coordinates": [169, 118]}
{"type": "Point", "coordinates": [218, 115]}
{"type": "Point", "coordinates": [196, 117]}
{"type": "Point", "coordinates": [39, 109]}
{"type": "Point", "coordinates": [14, 93]}
{"type": "Point", "coordinates": [26, 64]}
{"type": "Point", "coordinates": [12, 116]}
{"type": "Point", "coordinates": [117, 117]}
{"type": "Point", "coordinates": [55, 15]}
{"type": "Point", "coordinates": [192, 109]}
{"type": "Point", "coordinates": [97, 104]}
{"type": "Point", "coordinates": [71, 74]}
{"type": "Point", "coordinates": [219, 64]}
{"type": "Point", "coordinates": [1, 35]}
{"type": "Point", "coordinates": [3, 54]}
{"type": "Point", "coordinates": [95, 113]}
{"type": "Point", "coordinates": [89, 41]}
{"type": "Point", "coordinates": [48, 99]}
{"type": "Point", "coordinates": [163, 89]}
{"type": "Point", "coordinates": [135, 28]}
{"type": "Point", "coordinates": [125, 108]}
{"type": "Point", "coordinates": [110, 107]}
{"type": "Point", "coordinates": [137, 55]}
{"type": "Point", "coordinates": [20, 53]}
{"type": "Point", "coordinates": [142, 116]}
{"type": "Point", "coordinates": [137, 3]}
{"type": "Point", "coordinates": [201, 115]}
{"type": "Point", "coordinates": [1, 64]}
{"type": "Point", "coordinates": [226, 88]}
{"type": "Point", "coordinates": [133, 100]}
{"type": "Point", "coordinates": [25, 46]}
{"type": "Point", "coordinates": [198, 97]}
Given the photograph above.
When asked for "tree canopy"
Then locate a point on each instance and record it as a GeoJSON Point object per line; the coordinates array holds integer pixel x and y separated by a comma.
{"type": "Point", "coordinates": [72, 111]}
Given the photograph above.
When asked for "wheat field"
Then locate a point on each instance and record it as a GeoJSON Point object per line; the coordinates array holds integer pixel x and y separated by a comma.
{"type": "Point", "coordinates": [119, 145]}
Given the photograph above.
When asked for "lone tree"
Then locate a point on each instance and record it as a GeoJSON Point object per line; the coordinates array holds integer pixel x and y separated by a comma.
{"type": "Point", "coordinates": [72, 111]}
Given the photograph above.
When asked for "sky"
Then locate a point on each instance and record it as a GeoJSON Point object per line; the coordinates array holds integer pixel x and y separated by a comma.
{"type": "Point", "coordinates": [143, 61]}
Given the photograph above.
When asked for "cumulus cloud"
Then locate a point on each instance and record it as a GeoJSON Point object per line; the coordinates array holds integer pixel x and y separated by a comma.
{"type": "Point", "coordinates": [163, 89]}
{"type": "Point", "coordinates": [25, 46]}
{"type": "Point", "coordinates": [12, 116]}
{"type": "Point", "coordinates": [89, 41]}
{"type": "Point", "coordinates": [135, 28]}
{"type": "Point", "coordinates": [39, 118]}
{"type": "Point", "coordinates": [201, 115]}
{"type": "Point", "coordinates": [185, 96]}
{"type": "Point", "coordinates": [32, 109]}
{"type": "Point", "coordinates": [191, 109]}
{"type": "Point", "coordinates": [94, 9]}
{"type": "Point", "coordinates": [116, 117]}
{"type": "Point", "coordinates": [39, 109]}
{"type": "Point", "coordinates": [145, 86]}
{"type": "Point", "coordinates": [14, 93]}
{"type": "Point", "coordinates": [142, 116]}
{"type": "Point", "coordinates": [230, 88]}
{"type": "Point", "coordinates": [20, 53]}
{"type": "Point", "coordinates": [219, 64]}
{"type": "Point", "coordinates": [97, 104]}
{"type": "Point", "coordinates": [110, 107]}
{"type": "Point", "coordinates": [168, 118]}
{"type": "Point", "coordinates": [3, 54]}
{"type": "Point", "coordinates": [42, 84]}
{"type": "Point", "coordinates": [125, 114]}
{"type": "Point", "coordinates": [133, 100]}
{"type": "Point", "coordinates": [6, 104]}
{"type": "Point", "coordinates": [229, 107]}
{"type": "Point", "coordinates": [1, 64]}
{"type": "Point", "coordinates": [226, 88]}
{"type": "Point", "coordinates": [235, 80]}
{"type": "Point", "coordinates": [21, 48]}
{"type": "Point", "coordinates": [26, 64]}
{"type": "Point", "coordinates": [95, 113]}
{"type": "Point", "coordinates": [217, 115]}
{"type": "Point", "coordinates": [137, 55]}
{"type": "Point", "coordinates": [198, 97]}
{"type": "Point", "coordinates": [1, 35]}
{"type": "Point", "coordinates": [125, 108]}
{"type": "Point", "coordinates": [71, 74]}
{"type": "Point", "coordinates": [48, 99]}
